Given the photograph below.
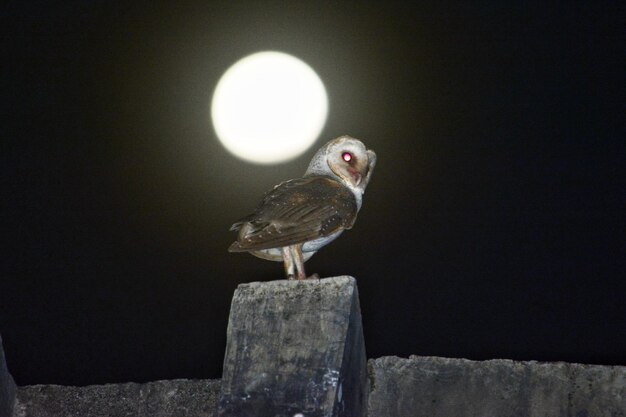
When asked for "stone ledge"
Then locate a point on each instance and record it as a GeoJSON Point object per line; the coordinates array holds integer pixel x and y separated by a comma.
{"type": "Point", "coordinates": [180, 398]}
{"type": "Point", "coordinates": [433, 387]}
{"type": "Point", "coordinates": [414, 387]}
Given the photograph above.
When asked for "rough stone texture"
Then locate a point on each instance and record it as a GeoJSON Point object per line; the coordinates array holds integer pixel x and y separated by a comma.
{"type": "Point", "coordinates": [295, 347]}
{"type": "Point", "coordinates": [175, 398]}
{"type": "Point", "coordinates": [415, 387]}
{"type": "Point", "coordinates": [7, 386]}
{"type": "Point", "coordinates": [433, 387]}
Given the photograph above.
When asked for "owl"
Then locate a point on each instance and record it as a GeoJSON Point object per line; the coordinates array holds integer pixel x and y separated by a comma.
{"type": "Point", "coordinates": [299, 216]}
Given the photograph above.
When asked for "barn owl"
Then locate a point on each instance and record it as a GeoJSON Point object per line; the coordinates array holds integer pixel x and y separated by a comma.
{"type": "Point", "coordinates": [299, 216]}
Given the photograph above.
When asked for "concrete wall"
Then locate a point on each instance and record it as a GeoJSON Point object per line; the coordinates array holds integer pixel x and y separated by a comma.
{"type": "Point", "coordinates": [434, 387]}
{"type": "Point", "coordinates": [400, 387]}
{"type": "Point", "coordinates": [175, 398]}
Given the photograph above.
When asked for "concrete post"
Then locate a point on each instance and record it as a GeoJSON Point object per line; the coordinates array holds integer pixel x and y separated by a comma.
{"type": "Point", "coordinates": [295, 348]}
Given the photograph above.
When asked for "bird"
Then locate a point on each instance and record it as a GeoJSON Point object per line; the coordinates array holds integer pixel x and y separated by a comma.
{"type": "Point", "coordinates": [299, 216]}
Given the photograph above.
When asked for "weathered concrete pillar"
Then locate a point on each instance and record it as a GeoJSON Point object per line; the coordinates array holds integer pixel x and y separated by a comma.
{"type": "Point", "coordinates": [295, 348]}
{"type": "Point", "coordinates": [442, 387]}
{"type": "Point", "coordinates": [7, 386]}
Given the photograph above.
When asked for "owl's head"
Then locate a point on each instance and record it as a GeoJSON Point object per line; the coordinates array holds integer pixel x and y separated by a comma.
{"type": "Point", "coordinates": [346, 159]}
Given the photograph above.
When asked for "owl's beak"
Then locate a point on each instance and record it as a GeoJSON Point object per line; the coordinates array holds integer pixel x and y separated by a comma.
{"type": "Point", "coordinates": [356, 177]}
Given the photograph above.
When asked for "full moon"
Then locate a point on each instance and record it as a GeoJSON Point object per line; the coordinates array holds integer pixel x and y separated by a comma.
{"type": "Point", "coordinates": [269, 107]}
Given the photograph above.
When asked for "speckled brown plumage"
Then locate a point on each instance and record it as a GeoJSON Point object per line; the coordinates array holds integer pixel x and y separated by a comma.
{"type": "Point", "coordinates": [296, 211]}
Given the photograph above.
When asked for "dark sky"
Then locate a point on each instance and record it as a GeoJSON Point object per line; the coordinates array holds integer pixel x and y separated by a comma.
{"type": "Point", "coordinates": [494, 226]}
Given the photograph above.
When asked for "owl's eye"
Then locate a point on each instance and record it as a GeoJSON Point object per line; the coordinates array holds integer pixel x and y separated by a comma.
{"type": "Point", "coordinates": [346, 156]}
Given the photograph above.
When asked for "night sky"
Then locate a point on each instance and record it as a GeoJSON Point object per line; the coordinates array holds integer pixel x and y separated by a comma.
{"type": "Point", "coordinates": [494, 225]}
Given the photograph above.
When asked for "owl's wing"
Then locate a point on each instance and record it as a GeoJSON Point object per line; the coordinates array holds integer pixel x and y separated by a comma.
{"type": "Point", "coordinates": [296, 211]}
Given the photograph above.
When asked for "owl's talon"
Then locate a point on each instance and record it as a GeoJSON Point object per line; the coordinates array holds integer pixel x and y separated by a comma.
{"type": "Point", "coordinates": [314, 276]}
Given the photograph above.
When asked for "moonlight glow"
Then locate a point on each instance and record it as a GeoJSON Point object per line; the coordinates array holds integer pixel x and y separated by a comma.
{"type": "Point", "coordinates": [269, 107]}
